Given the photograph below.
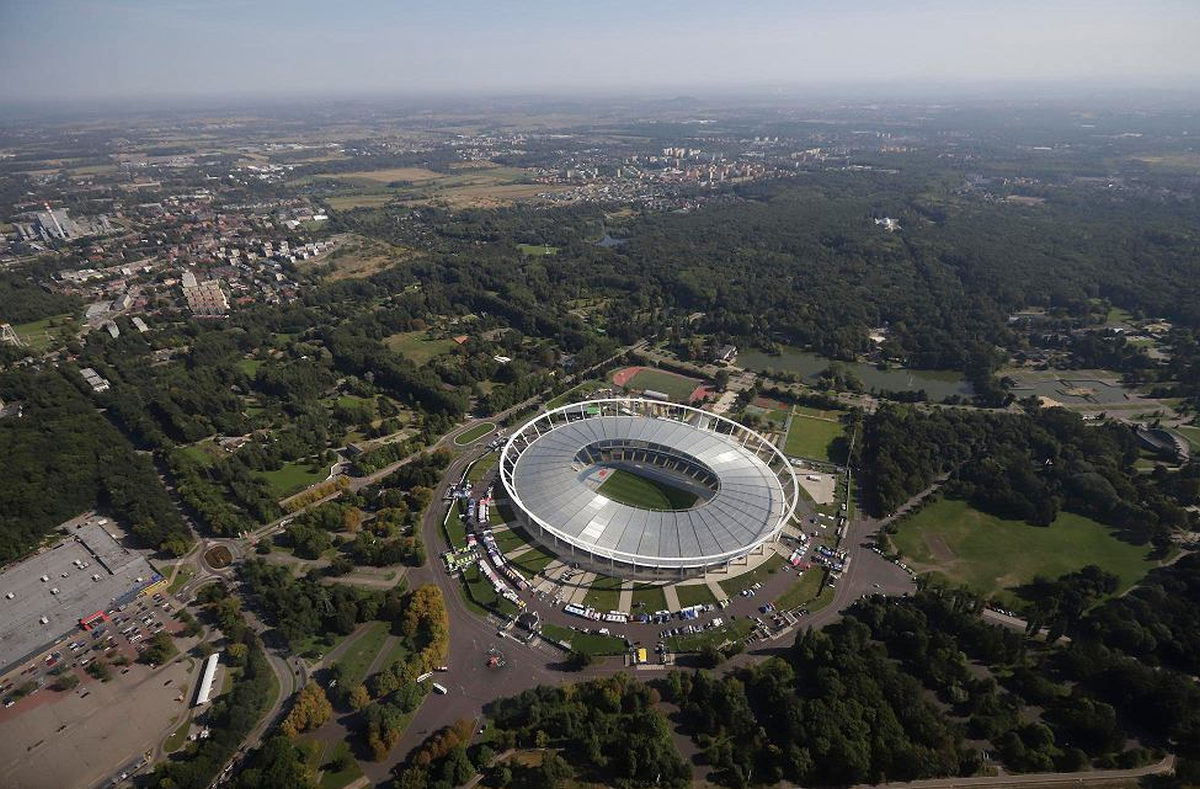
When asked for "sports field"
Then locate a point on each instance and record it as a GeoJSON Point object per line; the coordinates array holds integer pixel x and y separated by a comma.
{"type": "Point", "coordinates": [649, 494]}
{"type": "Point", "coordinates": [991, 555]}
{"type": "Point", "coordinates": [811, 437]}
{"type": "Point", "coordinates": [678, 387]}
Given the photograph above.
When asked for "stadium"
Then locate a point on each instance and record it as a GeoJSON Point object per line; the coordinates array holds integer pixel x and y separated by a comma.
{"type": "Point", "coordinates": [646, 489]}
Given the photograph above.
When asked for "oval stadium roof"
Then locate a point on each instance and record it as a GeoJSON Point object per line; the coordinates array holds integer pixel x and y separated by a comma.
{"type": "Point", "coordinates": [748, 508]}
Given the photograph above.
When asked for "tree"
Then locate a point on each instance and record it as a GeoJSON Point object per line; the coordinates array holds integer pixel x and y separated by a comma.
{"type": "Point", "coordinates": [159, 649]}
{"type": "Point", "coordinates": [311, 709]}
{"type": "Point", "coordinates": [66, 681]}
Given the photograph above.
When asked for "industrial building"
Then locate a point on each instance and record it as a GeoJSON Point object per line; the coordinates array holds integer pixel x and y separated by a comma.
{"type": "Point", "coordinates": [59, 589]}
{"type": "Point", "coordinates": [553, 469]}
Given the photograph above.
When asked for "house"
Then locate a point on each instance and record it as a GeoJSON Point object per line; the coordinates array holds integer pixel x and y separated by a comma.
{"type": "Point", "coordinates": [726, 354]}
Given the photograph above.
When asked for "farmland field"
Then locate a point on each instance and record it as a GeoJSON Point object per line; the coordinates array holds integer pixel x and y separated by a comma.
{"type": "Point", "coordinates": [992, 555]}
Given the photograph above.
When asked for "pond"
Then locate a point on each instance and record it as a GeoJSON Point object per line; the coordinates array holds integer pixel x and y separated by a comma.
{"type": "Point", "coordinates": [938, 384]}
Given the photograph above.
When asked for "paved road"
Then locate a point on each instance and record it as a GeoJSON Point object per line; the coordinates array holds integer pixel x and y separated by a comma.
{"type": "Point", "coordinates": [1037, 779]}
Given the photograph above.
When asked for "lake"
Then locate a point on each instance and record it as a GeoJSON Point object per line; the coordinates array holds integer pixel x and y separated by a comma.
{"type": "Point", "coordinates": [938, 384]}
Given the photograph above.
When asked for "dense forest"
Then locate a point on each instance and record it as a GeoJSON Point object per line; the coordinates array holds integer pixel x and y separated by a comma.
{"type": "Point", "coordinates": [62, 444]}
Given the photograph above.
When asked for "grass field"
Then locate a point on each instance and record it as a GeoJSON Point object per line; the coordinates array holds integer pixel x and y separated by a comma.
{"type": "Point", "coordinates": [536, 250]}
{"type": "Point", "coordinates": [533, 561]}
{"type": "Point", "coordinates": [293, 477]}
{"type": "Point", "coordinates": [474, 434]}
{"type": "Point", "coordinates": [626, 487]}
{"type": "Point", "coordinates": [178, 737]}
{"type": "Point", "coordinates": [810, 437]}
{"type": "Point", "coordinates": [694, 594]}
{"type": "Point", "coordinates": [43, 334]}
{"type": "Point", "coordinates": [574, 393]}
{"type": "Point", "coordinates": [1192, 434]}
{"type": "Point", "coordinates": [758, 575]}
{"type": "Point", "coordinates": [359, 655]}
{"type": "Point", "coordinates": [604, 593]}
{"type": "Point", "coordinates": [991, 555]}
{"type": "Point", "coordinates": [804, 591]}
{"type": "Point", "coordinates": [418, 347]}
{"type": "Point", "coordinates": [182, 577]}
{"type": "Point", "coordinates": [510, 539]}
{"type": "Point", "coordinates": [483, 595]}
{"type": "Point", "coordinates": [481, 467]}
{"type": "Point", "coordinates": [651, 596]}
{"type": "Point", "coordinates": [456, 530]}
{"type": "Point", "coordinates": [678, 387]}
{"type": "Point", "coordinates": [734, 630]}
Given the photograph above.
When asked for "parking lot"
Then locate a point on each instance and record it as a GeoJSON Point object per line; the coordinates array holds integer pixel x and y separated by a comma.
{"type": "Point", "coordinates": [51, 738]}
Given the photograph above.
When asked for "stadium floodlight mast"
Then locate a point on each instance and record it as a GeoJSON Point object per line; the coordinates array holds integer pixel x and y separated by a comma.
{"type": "Point", "coordinates": [749, 488]}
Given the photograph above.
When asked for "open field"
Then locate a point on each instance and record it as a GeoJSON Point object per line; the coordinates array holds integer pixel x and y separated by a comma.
{"type": "Point", "coordinates": [357, 256]}
{"type": "Point", "coordinates": [480, 468]}
{"type": "Point", "coordinates": [694, 594]}
{"type": "Point", "coordinates": [418, 347]}
{"type": "Point", "coordinates": [348, 202]}
{"type": "Point", "coordinates": [991, 555]}
{"type": "Point", "coordinates": [41, 335]}
{"type": "Point", "coordinates": [292, 477]}
{"type": "Point", "coordinates": [810, 437]}
{"type": "Point", "coordinates": [590, 643]}
{"type": "Point", "coordinates": [678, 387]}
{"type": "Point", "coordinates": [389, 175]}
{"type": "Point", "coordinates": [625, 487]}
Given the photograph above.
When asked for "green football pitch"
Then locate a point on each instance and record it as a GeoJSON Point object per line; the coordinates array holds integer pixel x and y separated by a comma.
{"type": "Point", "coordinates": [649, 494]}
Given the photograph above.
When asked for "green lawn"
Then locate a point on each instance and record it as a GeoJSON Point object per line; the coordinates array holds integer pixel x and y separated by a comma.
{"type": "Point", "coordinates": [810, 437]}
{"type": "Point", "coordinates": [734, 630]}
{"type": "Point", "coordinates": [804, 591]}
{"type": "Point", "coordinates": [480, 591]}
{"type": "Point", "coordinates": [991, 555]}
{"type": "Point", "coordinates": [418, 347]}
{"type": "Point", "coordinates": [535, 250]}
{"type": "Point", "coordinates": [474, 434]}
{"type": "Point", "coordinates": [533, 561]}
{"type": "Point", "coordinates": [509, 539]}
{"type": "Point", "coordinates": [678, 387]}
{"type": "Point", "coordinates": [651, 596]}
{"type": "Point", "coordinates": [596, 644]}
{"type": "Point", "coordinates": [293, 477]}
{"type": "Point", "coordinates": [481, 467]}
{"type": "Point", "coordinates": [249, 366]}
{"type": "Point", "coordinates": [456, 530]}
{"type": "Point", "coordinates": [1192, 434]}
{"type": "Point", "coordinates": [179, 736]}
{"type": "Point", "coordinates": [604, 594]}
{"type": "Point", "coordinates": [358, 657]}
{"type": "Point", "coordinates": [694, 594]}
{"type": "Point", "coordinates": [758, 575]}
{"type": "Point", "coordinates": [182, 577]}
{"type": "Point", "coordinates": [626, 487]}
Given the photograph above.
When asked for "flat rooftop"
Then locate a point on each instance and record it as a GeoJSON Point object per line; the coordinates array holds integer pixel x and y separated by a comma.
{"type": "Point", "coordinates": [22, 633]}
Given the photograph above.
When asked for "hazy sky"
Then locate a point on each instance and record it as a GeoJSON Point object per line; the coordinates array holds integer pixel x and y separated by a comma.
{"type": "Point", "coordinates": [130, 48]}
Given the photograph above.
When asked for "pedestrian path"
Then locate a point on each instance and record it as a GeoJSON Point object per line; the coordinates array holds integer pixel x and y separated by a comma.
{"type": "Point", "coordinates": [672, 598]}
{"type": "Point", "coordinates": [625, 601]}
{"type": "Point", "coordinates": [715, 588]}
